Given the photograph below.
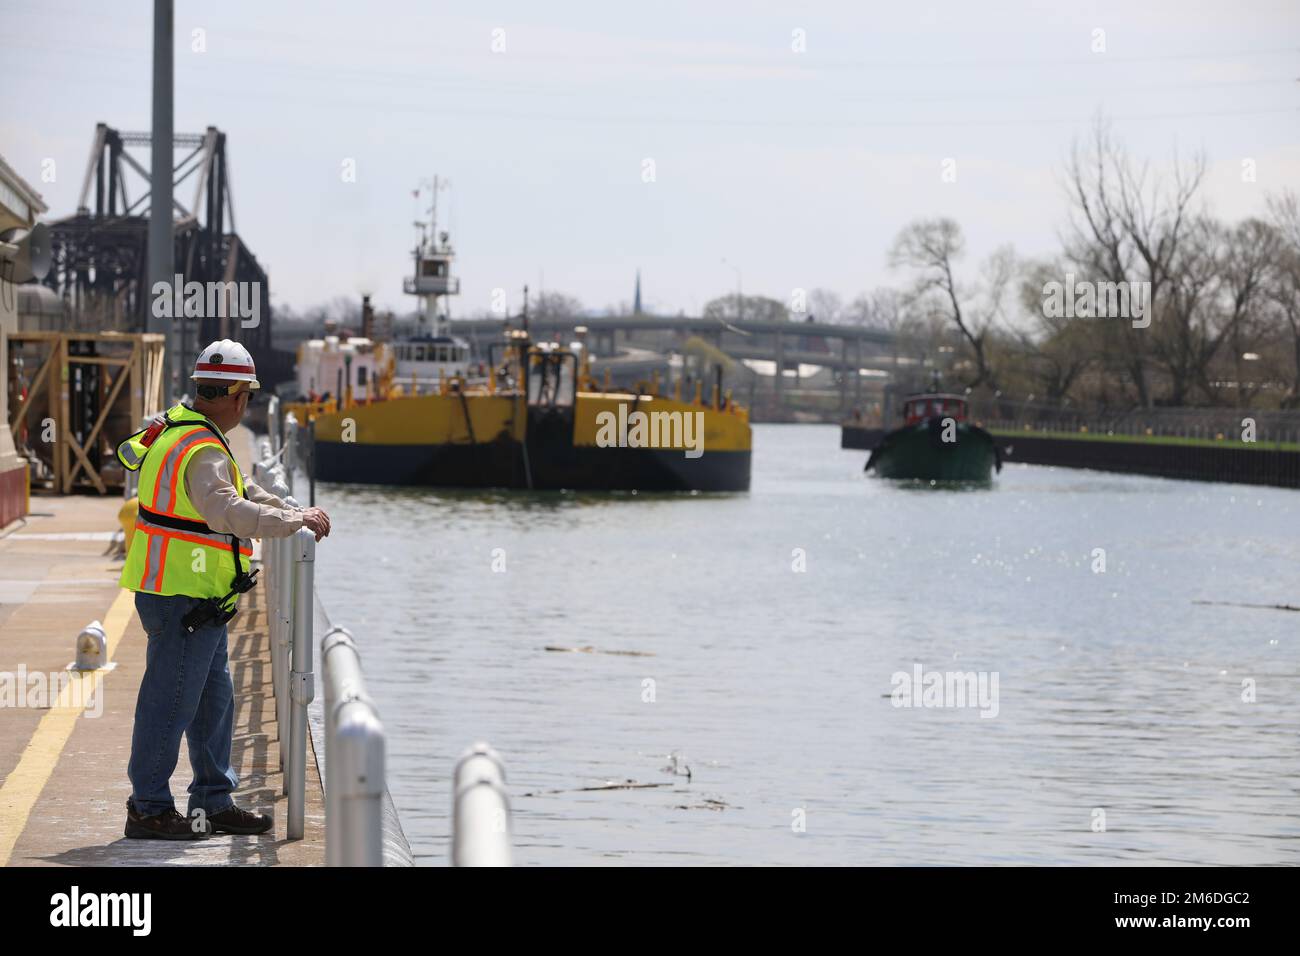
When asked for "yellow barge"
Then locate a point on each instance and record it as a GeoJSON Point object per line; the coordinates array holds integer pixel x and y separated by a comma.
{"type": "Point", "coordinates": [538, 421]}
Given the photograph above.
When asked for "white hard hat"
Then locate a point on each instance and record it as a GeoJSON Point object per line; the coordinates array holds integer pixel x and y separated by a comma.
{"type": "Point", "coordinates": [227, 361]}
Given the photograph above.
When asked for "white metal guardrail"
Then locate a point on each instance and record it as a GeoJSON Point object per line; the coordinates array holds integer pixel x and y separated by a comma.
{"type": "Point", "coordinates": [354, 759]}
{"type": "Point", "coordinates": [361, 826]}
{"type": "Point", "coordinates": [480, 812]}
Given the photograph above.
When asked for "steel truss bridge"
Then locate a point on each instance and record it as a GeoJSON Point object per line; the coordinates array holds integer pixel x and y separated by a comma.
{"type": "Point", "coordinates": [100, 255]}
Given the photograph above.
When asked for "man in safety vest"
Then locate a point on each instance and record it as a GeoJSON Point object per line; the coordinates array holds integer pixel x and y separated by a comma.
{"type": "Point", "coordinates": [188, 563]}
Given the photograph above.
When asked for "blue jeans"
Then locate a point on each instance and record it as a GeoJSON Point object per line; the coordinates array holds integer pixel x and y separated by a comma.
{"type": "Point", "coordinates": [186, 689]}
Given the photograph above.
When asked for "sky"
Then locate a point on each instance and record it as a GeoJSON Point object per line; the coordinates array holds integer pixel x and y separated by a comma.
{"type": "Point", "coordinates": [778, 146]}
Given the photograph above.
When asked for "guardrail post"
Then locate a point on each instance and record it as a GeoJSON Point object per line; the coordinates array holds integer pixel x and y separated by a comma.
{"type": "Point", "coordinates": [284, 641]}
{"type": "Point", "coordinates": [276, 556]}
{"type": "Point", "coordinates": [284, 637]}
{"type": "Point", "coordinates": [354, 758]}
{"type": "Point", "coordinates": [270, 580]}
{"type": "Point", "coordinates": [301, 679]}
{"type": "Point", "coordinates": [273, 587]}
{"type": "Point", "coordinates": [480, 812]}
{"type": "Point", "coordinates": [273, 430]}
{"type": "Point", "coordinates": [291, 448]}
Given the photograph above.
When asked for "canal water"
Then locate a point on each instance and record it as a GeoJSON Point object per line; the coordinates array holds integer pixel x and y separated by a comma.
{"type": "Point", "coordinates": [755, 641]}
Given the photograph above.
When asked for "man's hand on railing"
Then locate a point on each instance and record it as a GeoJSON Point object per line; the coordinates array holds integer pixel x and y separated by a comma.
{"type": "Point", "coordinates": [316, 521]}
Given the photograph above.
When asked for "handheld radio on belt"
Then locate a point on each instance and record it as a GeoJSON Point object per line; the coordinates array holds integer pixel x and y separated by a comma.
{"type": "Point", "coordinates": [212, 612]}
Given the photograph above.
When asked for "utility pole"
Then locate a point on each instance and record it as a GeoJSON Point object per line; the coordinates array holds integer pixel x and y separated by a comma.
{"type": "Point", "coordinates": [161, 239]}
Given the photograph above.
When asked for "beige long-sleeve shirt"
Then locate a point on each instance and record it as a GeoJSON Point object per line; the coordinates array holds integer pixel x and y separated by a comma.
{"type": "Point", "coordinates": [211, 489]}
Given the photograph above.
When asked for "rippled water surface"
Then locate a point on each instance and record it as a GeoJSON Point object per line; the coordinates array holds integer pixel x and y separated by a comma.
{"type": "Point", "coordinates": [1116, 692]}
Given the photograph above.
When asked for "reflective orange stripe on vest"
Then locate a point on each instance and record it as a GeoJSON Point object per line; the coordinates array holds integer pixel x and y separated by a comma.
{"type": "Point", "coordinates": [154, 559]}
{"type": "Point", "coordinates": [159, 538]}
{"type": "Point", "coordinates": [170, 472]}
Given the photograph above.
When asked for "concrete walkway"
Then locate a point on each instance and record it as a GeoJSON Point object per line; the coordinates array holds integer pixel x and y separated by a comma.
{"type": "Point", "coordinates": [63, 783]}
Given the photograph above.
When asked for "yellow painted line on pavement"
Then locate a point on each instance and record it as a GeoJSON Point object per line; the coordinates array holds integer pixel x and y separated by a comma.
{"type": "Point", "coordinates": [22, 788]}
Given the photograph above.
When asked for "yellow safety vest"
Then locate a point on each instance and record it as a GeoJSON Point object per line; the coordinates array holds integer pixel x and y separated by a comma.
{"type": "Point", "coordinates": [173, 551]}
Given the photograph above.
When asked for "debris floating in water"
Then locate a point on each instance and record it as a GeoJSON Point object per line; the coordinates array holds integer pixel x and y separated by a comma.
{"type": "Point", "coordinates": [607, 785]}
{"type": "Point", "coordinates": [595, 650]}
{"type": "Point", "coordinates": [709, 803]}
{"type": "Point", "coordinates": [1267, 607]}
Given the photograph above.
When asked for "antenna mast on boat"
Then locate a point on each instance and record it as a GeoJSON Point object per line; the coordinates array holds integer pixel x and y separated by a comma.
{"type": "Point", "coordinates": [433, 282]}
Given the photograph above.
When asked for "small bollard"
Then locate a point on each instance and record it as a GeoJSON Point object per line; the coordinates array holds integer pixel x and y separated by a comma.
{"type": "Point", "coordinates": [92, 647]}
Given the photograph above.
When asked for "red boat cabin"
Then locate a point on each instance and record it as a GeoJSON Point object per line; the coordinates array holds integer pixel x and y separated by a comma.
{"type": "Point", "coordinates": [920, 408]}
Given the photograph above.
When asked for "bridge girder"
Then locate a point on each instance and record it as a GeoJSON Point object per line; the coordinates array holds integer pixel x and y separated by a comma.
{"type": "Point", "coordinates": [100, 254]}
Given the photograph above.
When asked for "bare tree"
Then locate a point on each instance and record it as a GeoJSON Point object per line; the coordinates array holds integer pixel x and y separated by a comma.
{"type": "Point", "coordinates": [753, 308]}
{"type": "Point", "coordinates": [1057, 349]}
{"type": "Point", "coordinates": [555, 305]}
{"type": "Point", "coordinates": [1128, 226]}
{"type": "Point", "coordinates": [825, 305]}
{"type": "Point", "coordinates": [342, 309]}
{"type": "Point", "coordinates": [916, 336]}
{"type": "Point", "coordinates": [858, 310]}
{"type": "Point", "coordinates": [931, 247]}
{"type": "Point", "coordinates": [1192, 328]}
{"type": "Point", "coordinates": [1284, 285]}
{"type": "Point", "coordinates": [884, 308]}
{"type": "Point", "coordinates": [1248, 261]}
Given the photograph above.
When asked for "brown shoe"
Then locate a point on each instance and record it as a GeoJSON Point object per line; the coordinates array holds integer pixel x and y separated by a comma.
{"type": "Point", "coordinates": [168, 825]}
{"type": "Point", "coordinates": [234, 819]}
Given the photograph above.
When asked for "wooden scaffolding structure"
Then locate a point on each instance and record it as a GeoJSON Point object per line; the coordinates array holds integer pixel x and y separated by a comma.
{"type": "Point", "coordinates": [75, 396]}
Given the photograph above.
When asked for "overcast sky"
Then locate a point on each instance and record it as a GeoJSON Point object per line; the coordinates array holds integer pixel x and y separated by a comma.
{"type": "Point", "coordinates": [798, 167]}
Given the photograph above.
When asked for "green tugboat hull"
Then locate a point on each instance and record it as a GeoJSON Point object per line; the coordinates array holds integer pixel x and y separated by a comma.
{"type": "Point", "coordinates": [919, 452]}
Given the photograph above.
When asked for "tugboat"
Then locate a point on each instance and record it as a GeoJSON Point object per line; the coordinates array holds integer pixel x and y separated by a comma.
{"type": "Point", "coordinates": [936, 443]}
{"type": "Point", "coordinates": [528, 416]}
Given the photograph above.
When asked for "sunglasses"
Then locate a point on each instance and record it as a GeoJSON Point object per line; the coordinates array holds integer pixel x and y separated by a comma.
{"type": "Point", "coordinates": [211, 392]}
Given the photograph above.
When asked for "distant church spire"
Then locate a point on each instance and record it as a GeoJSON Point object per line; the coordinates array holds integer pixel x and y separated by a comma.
{"type": "Point", "coordinates": [636, 302]}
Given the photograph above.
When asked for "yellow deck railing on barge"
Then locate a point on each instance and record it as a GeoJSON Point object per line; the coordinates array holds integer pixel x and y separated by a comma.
{"type": "Point", "coordinates": [309, 411]}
